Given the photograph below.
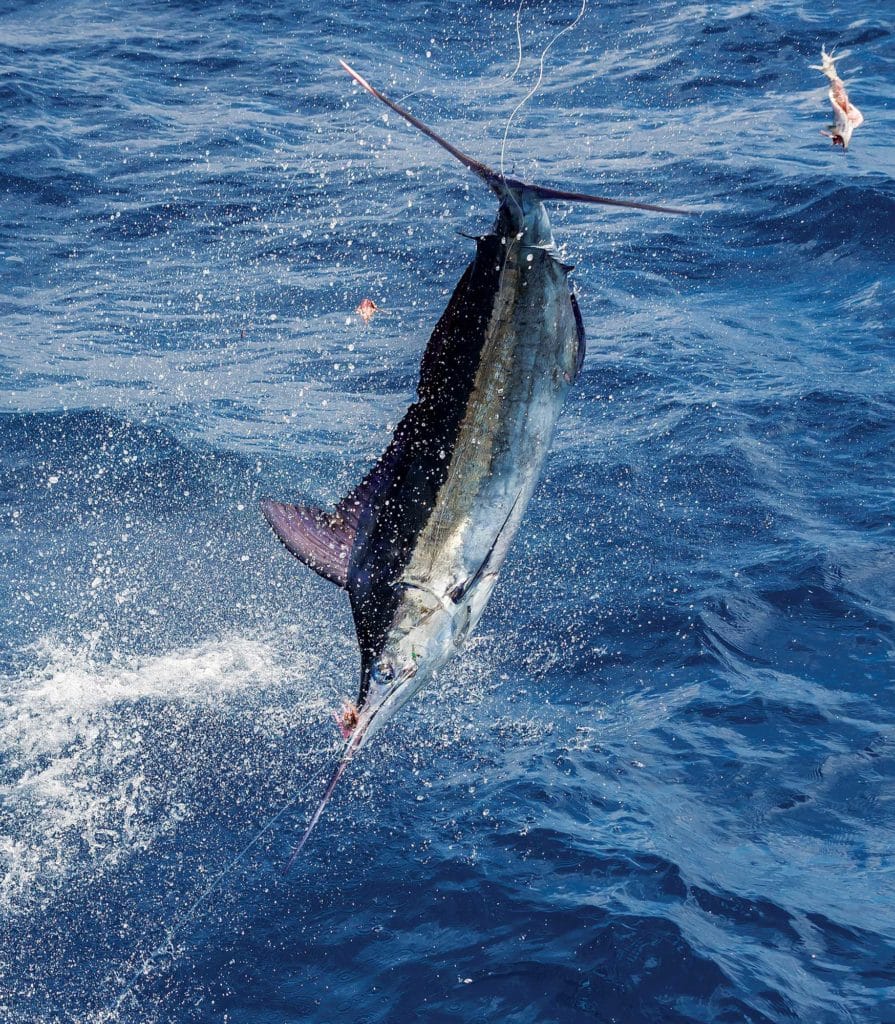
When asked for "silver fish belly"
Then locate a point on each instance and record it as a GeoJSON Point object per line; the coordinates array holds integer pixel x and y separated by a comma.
{"type": "Point", "coordinates": [528, 362]}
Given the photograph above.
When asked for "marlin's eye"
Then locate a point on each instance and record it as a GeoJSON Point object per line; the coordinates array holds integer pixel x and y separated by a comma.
{"type": "Point", "coordinates": [385, 672]}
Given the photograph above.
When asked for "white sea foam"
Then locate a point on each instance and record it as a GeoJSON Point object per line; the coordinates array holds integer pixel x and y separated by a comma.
{"type": "Point", "coordinates": [77, 733]}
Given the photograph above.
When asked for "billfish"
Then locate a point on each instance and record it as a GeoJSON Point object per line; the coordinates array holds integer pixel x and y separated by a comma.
{"type": "Point", "coordinates": [418, 545]}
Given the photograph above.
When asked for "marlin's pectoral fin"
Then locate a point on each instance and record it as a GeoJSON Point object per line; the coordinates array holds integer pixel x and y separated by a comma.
{"type": "Point", "coordinates": [320, 540]}
{"type": "Point", "coordinates": [582, 337]}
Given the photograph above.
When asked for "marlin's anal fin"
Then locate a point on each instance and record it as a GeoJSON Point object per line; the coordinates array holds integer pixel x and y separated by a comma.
{"type": "Point", "coordinates": [320, 540]}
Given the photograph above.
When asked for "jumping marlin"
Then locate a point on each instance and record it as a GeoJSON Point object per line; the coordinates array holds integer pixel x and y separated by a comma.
{"type": "Point", "coordinates": [418, 545]}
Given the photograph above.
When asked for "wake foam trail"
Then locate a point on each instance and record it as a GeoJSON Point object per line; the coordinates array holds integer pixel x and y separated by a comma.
{"type": "Point", "coordinates": [84, 779]}
{"type": "Point", "coordinates": [131, 788]}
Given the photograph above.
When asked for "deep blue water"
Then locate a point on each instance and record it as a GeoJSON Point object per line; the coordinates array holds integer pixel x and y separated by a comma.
{"type": "Point", "coordinates": [658, 787]}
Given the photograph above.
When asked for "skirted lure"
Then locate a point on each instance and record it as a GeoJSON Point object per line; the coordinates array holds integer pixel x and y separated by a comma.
{"type": "Point", "coordinates": [846, 115]}
{"type": "Point", "coordinates": [367, 310]}
{"type": "Point", "coordinates": [419, 543]}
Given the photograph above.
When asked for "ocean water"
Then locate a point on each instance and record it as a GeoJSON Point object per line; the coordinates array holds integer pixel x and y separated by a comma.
{"type": "Point", "coordinates": [658, 786]}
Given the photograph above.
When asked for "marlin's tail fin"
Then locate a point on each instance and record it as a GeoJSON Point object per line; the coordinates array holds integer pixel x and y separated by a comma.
{"type": "Point", "coordinates": [476, 166]}
{"type": "Point", "coordinates": [496, 181]}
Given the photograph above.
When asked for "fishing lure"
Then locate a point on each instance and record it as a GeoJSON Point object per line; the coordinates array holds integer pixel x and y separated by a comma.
{"type": "Point", "coordinates": [846, 115]}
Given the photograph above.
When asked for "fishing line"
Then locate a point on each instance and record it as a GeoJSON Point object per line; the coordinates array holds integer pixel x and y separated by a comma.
{"type": "Point", "coordinates": [416, 92]}
{"type": "Point", "coordinates": [166, 946]}
{"type": "Point", "coordinates": [526, 98]}
{"type": "Point", "coordinates": [540, 79]}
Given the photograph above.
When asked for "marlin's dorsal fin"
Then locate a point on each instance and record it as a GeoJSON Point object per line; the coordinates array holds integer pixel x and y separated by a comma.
{"type": "Point", "coordinates": [321, 540]}
{"type": "Point", "coordinates": [378, 480]}
{"type": "Point", "coordinates": [324, 540]}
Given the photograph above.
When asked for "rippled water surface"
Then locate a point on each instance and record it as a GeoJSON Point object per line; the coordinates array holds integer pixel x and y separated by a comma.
{"type": "Point", "coordinates": [657, 787]}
